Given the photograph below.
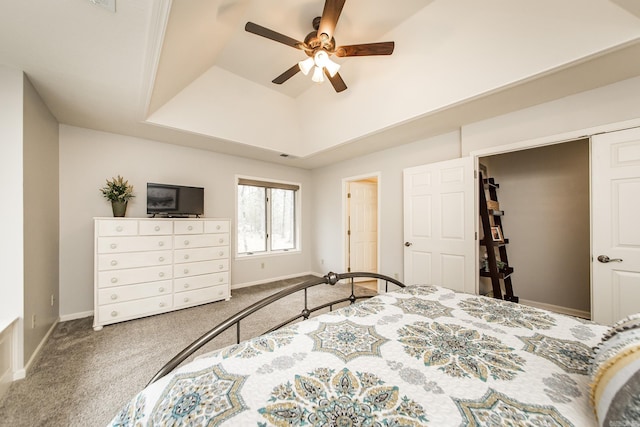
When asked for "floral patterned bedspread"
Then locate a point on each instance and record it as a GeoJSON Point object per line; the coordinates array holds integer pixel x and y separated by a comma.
{"type": "Point", "coordinates": [423, 355]}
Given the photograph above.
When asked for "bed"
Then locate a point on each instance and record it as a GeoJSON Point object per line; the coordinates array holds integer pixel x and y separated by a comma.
{"type": "Point", "coordinates": [419, 355]}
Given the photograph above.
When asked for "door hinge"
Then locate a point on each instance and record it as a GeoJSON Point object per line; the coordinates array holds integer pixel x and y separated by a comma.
{"type": "Point", "coordinates": [349, 270]}
{"type": "Point", "coordinates": [348, 232]}
{"type": "Point", "coordinates": [476, 237]}
{"type": "Point", "coordinates": [475, 174]}
{"type": "Point", "coordinates": [348, 195]}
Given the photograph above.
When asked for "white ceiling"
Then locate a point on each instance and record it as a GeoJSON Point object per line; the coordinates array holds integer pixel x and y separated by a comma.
{"type": "Point", "coordinates": [185, 71]}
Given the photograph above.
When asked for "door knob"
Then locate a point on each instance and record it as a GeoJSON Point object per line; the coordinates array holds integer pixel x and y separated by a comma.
{"type": "Point", "coordinates": [605, 259]}
{"type": "Point", "coordinates": [407, 244]}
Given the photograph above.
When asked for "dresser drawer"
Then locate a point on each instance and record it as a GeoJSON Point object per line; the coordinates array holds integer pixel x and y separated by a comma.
{"type": "Point", "coordinates": [188, 227]}
{"type": "Point", "coordinates": [216, 226]}
{"type": "Point", "coordinates": [151, 228]}
{"type": "Point", "coordinates": [119, 312]}
{"type": "Point", "coordinates": [200, 296]}
{"type": "Point", "coordinates": [128, 293]}
{"type": "Point", "coordinates": [202, 267]}
{"type": "Point", "coordinates": [134, 259]}
{"type": "Point", "coordinates": [201, 241]}
{"type": "Point", "coordinates": [133, 275]}
{"type": "Point", "coordinates": [202, 281]}
{"type": "Point", "coordinates": [133, 244]}
{"type": "Point", "coordinates": [118, 227]}
{"type": "Point", "coordinates": [201, 254]}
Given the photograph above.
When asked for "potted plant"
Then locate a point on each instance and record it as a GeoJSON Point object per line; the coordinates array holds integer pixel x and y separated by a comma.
{"type": "Point", "coordinates": [118, 191]}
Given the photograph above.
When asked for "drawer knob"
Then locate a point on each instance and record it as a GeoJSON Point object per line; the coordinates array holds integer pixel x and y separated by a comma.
{"type": "Point", "coordinates": [186, 243]}
{"type": "Point", "coordinates": [114, 313]}
{"type": "Point", "coordinates": [161, 274]}
{"type": "Point", "coordinates": [114, 262]}
{"type": "Point", "coordinates": [113, 246]}
{"type": "Point", "coordinates": [186, 300]}
{"type": "Point", "coordinates": [114, 280]}
{"type": "Point", "coordinates": [114, 296]}
{"type": "Point", "coordinates": [218, 227]}
{"type": "Point", "coordinates": [160, 243]}
{"type": "Point", "coordinates": [221, 240]}
{"type": "Point", "coordinates": [161, 259]}
{"type": "Point", "coordinates": [220, 253]}
{"type": "Point", "coordinates": [161, 289]}
{"type": "Point", "coordinates": [186, 256]}
{"type": "Point", "coordinates": [161, 304]}
{"type": "Point", "coordinates": [186, 285]}
{"type": "Point", "coordinates": [190, 227]}
{"type": "Point", "coordinates": [119, 228]}
{"type": "Point", "coordinates": [221, 266]}
{"type": "Point", "coordinates": [157, 228]}
{"type": "Point", "coordinates": [186, 270]}
{"type": "Point", "coordinates": [220, 279]}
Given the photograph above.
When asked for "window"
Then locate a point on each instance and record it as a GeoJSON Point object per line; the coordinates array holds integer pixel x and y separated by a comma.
{"type": "Point", "coordinates": [267, 217]}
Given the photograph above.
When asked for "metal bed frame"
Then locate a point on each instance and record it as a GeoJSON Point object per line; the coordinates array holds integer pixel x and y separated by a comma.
{"type": "Point", "coordinates": [330, 278]}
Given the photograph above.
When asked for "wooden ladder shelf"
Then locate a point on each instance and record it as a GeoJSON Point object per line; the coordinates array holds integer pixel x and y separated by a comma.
{"type": "Point", "coordinates": [497, 264]}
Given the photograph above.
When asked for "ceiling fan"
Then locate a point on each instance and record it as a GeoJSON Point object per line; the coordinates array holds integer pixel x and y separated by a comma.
{"type": "Point", "coordinates": [319, 45]}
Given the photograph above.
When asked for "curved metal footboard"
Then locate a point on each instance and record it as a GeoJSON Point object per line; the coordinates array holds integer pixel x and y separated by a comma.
{"type": "Point", "coordinates": [330, 278]}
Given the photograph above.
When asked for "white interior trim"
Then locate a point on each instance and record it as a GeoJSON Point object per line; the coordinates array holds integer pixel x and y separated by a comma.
{"type": "Point", "coordinates": [20, 374]}
{"type": "Point", "coordinates": [273, 279]}
{"type": "Point", "coordinates": [74, 316]}
{"type": "Point", "coordinates": [557, 309]}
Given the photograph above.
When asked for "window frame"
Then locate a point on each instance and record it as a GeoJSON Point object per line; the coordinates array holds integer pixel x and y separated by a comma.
{"type": "Point", "coordinates": [297, 203]}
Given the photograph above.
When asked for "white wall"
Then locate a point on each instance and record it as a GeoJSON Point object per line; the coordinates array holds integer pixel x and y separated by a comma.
{"type": "Point", "coordinates": [41, 219]}
{"type": "Point", "coordinates": [88, 158]}
{"type": "Point", "coordinates": [606, 105]}
{"type": "Point", "coordinates": [578, 114]}
{"type": "Point", "coordinates": [329, 207]}
{"type": "Point", "coordinates": [11, 218]}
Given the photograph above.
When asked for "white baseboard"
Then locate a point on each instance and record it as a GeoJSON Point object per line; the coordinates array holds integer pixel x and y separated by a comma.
{"type": "Point", "coordinates": [272, 279]}
{"type": "Point", "coordinates": [21, 373]}
{"type": "Point", "coordinates": [74, 316]}
{"type": "Point", "coordinates": [557, 309]}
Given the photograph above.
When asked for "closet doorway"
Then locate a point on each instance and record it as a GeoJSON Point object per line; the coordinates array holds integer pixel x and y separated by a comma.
{"type": "Point", "coordinates": [544, 193]}
{"type": "Point", "coordinates": [361, 225]}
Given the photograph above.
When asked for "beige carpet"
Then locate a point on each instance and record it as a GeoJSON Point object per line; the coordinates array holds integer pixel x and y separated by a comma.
{"type": "Point", "coordinates": [82, 377]}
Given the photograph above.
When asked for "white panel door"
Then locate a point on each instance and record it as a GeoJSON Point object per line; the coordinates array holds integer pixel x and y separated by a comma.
{"type": "Point", "coordinates": [363, 226]}
{"type": "Point", "coordinates": [439, 225]}
{"type": "Point", "coordinates": [616, 225]}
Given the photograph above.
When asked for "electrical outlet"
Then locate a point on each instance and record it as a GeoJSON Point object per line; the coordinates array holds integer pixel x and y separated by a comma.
{"type": "Point", "coordinates": [322, 261]}
{"type": "Point", "coordinates": [396, 275]}
{"type": "Point", "coordinates": [33, 321]}
{"type": "Point", "coordinates": [53, 300]}
{"type": "Point", "coordinates": [262, 265]}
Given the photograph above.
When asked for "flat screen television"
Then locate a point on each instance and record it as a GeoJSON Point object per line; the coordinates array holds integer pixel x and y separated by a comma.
{"type": "Point", "coordinates": [174, 200]}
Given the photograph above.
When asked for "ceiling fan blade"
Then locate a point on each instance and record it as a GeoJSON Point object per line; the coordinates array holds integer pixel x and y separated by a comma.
{"type": "Point", "coordinates": [286, 75]}
{"type": "Point", "coordinates": [270, 34]}
{"type": "Point", "coordinates": [330, 15]}
{"type": "Point", "coordinates": [336, 81]}
{"type": "Point", "coordinates": [368, 49]}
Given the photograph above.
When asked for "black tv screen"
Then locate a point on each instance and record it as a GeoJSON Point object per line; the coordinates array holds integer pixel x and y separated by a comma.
{"type": "Point", "coordinates": [174, 200]}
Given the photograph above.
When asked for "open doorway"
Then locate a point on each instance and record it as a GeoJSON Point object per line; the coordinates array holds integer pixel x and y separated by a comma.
{"type": "Point", "coordinates": [544, 194]}
{"type": "Point", "coordinates": [361, 226]}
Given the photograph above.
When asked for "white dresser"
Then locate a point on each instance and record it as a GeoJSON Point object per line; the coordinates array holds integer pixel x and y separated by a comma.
{"type": "Point", "coordinates": [145, 266]}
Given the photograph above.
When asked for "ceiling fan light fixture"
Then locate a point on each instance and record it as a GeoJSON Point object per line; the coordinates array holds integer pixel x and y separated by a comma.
{"type": "Point", "coordinates": [332, 67]}
{"type": "Point", "coordinates": [318, 76]}
{"type": "Point", "coordinates": [306, 65]}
